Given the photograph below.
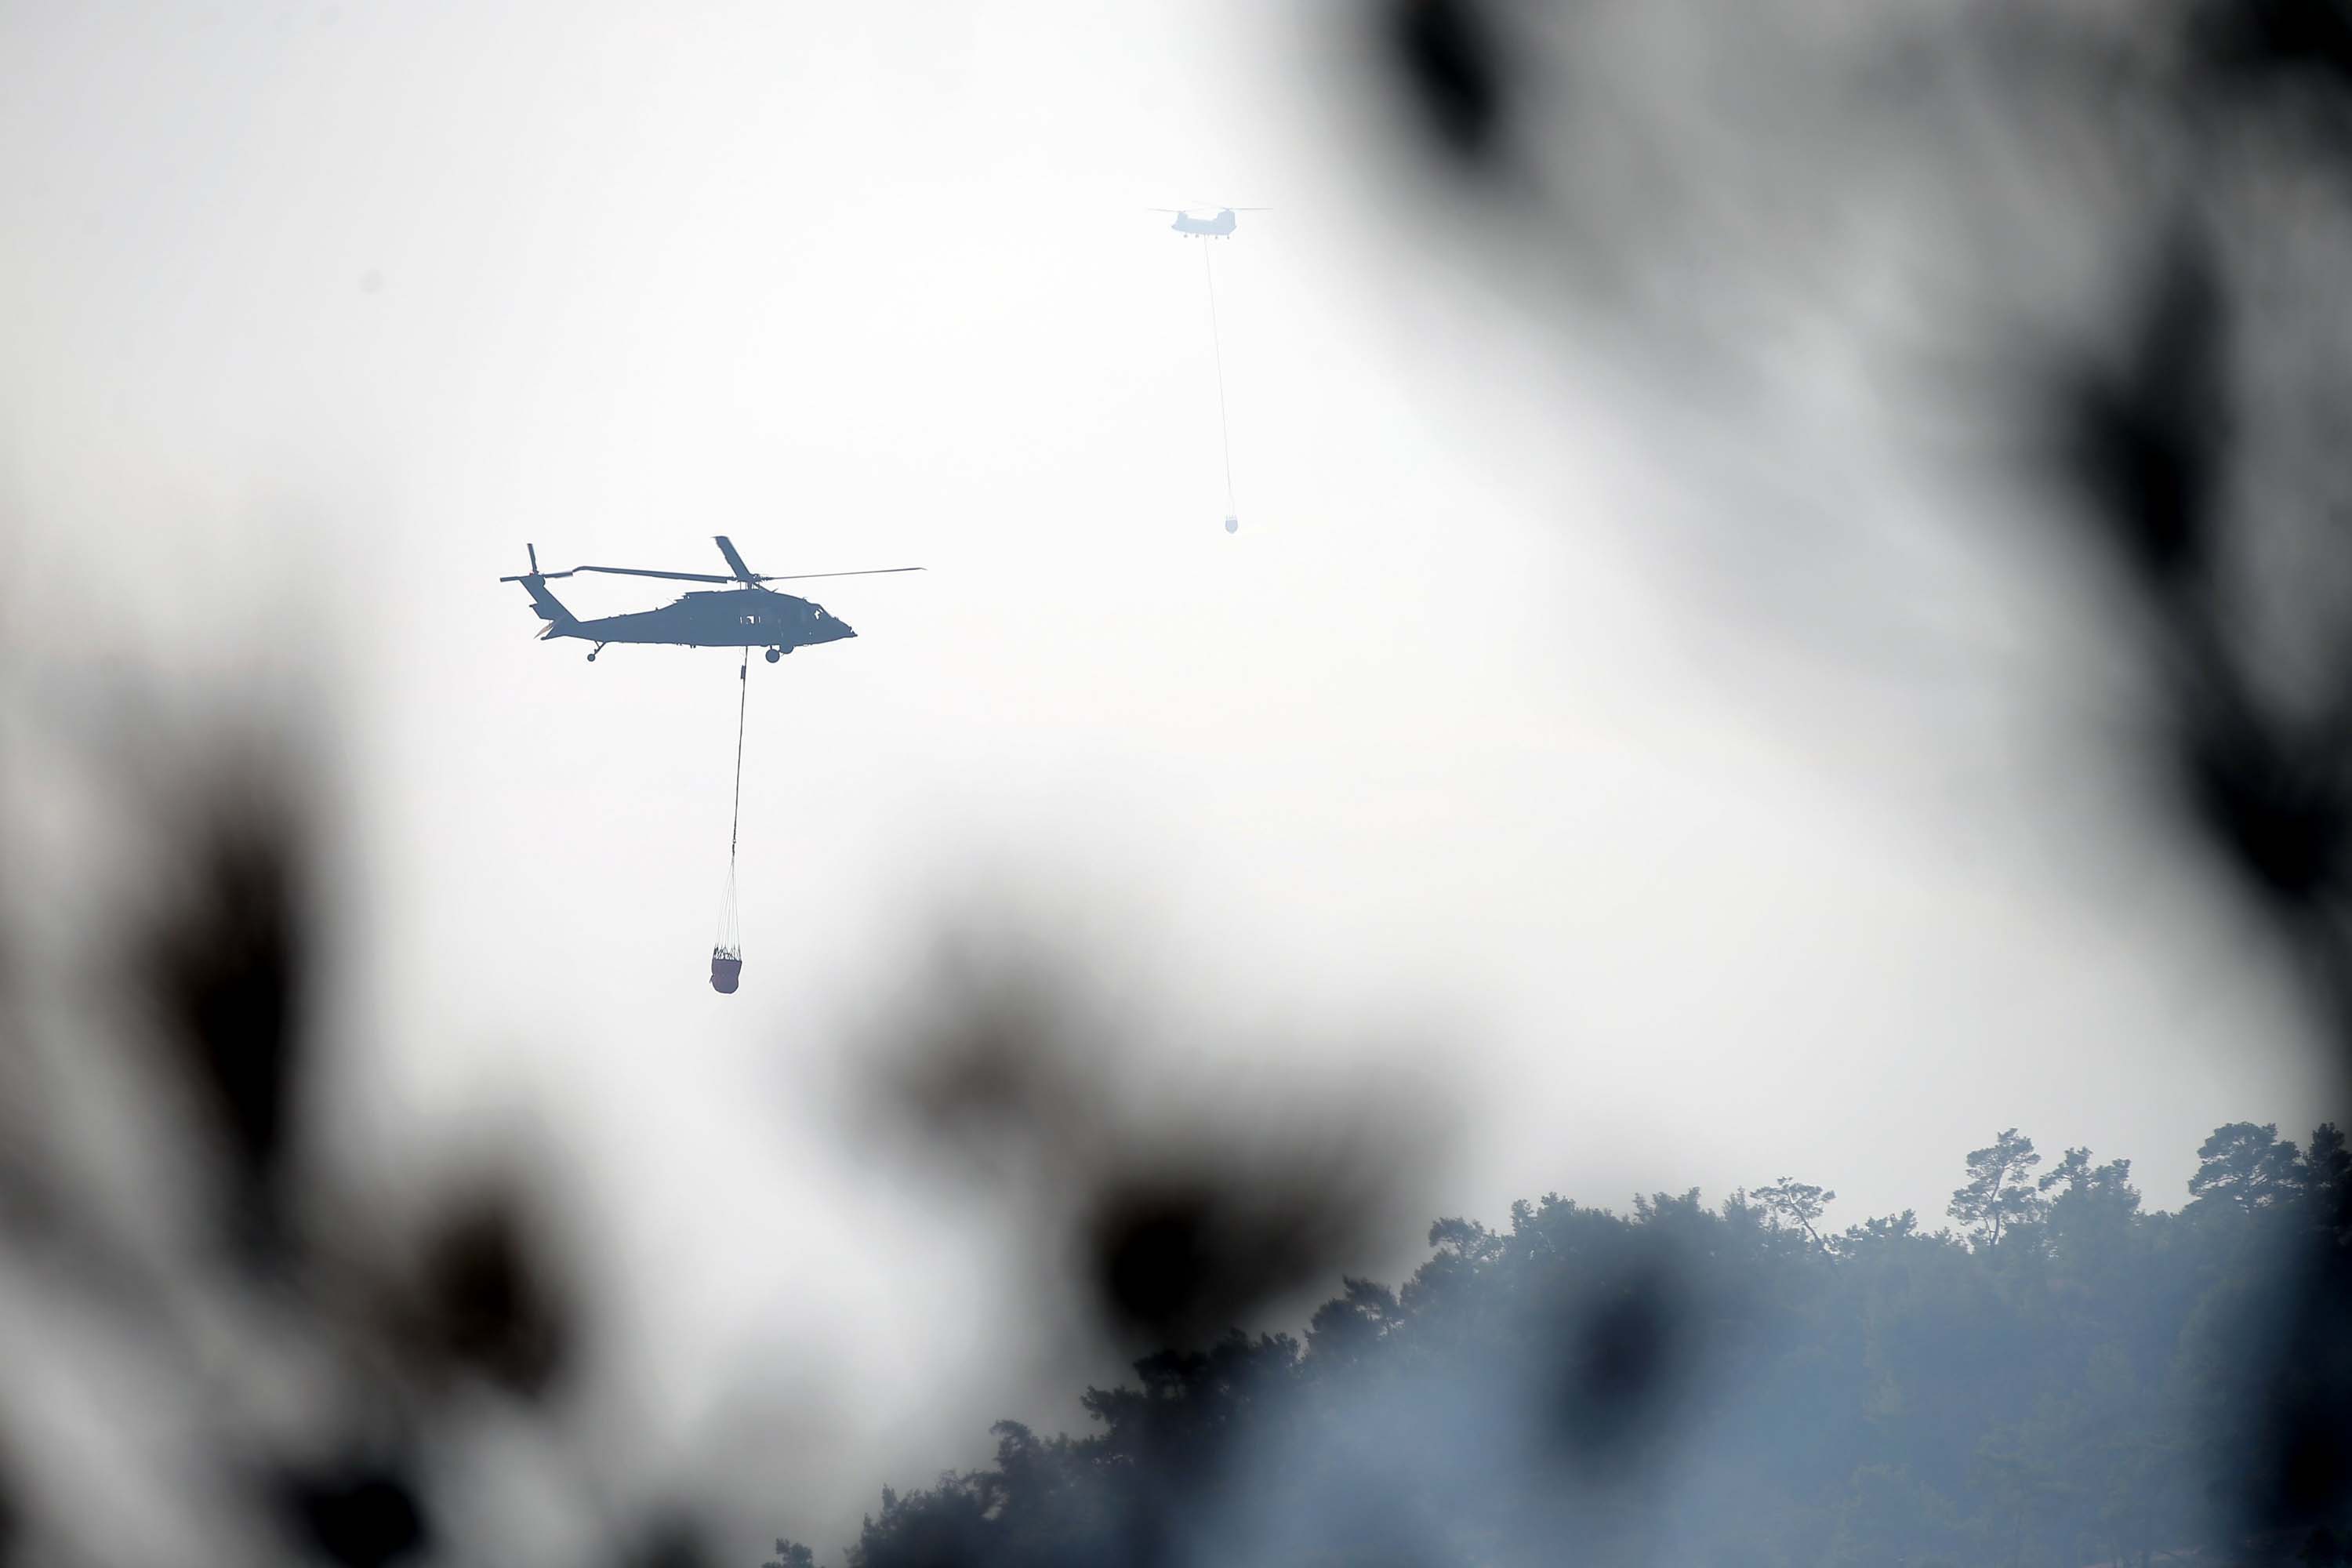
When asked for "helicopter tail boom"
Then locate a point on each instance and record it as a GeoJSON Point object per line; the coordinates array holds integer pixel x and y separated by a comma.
{"type": "Point", "coordinates": [551, 609]}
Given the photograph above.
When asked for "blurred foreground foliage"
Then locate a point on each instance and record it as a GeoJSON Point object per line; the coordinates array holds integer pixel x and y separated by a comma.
{"type": "Point", "coordinates": [2066, 1378]}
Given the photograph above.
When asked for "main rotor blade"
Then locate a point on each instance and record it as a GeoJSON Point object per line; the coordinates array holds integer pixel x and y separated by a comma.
{"type": "Point", "coordinates": [803, 576]}
{"type": "Point", "coordinates": [641, 572]}
{"type": "Point", "coordinates": [727, 548]}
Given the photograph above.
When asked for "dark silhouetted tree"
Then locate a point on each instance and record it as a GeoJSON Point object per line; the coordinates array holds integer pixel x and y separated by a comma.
{"type": "Point", "coordinates": [2247, 1165]}
{"type": "Point", "coordinates": [1793, 1202]}
{"type": "Point", "coordinates": [1999, 1196]}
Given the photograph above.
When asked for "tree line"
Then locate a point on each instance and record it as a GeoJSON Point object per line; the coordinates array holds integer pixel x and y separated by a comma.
{"type": "Point", "coordinates": [2061, 1376]}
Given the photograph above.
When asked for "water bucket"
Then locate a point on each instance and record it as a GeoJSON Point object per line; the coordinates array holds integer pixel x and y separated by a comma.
{"type": "Point", "coordinates": [726, 971]}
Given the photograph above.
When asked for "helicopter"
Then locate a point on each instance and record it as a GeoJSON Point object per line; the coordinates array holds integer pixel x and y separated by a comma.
{"type": "Point", "coordinates": [1217, 228]}
{"type": "Point", "coordinates": [745, 617]}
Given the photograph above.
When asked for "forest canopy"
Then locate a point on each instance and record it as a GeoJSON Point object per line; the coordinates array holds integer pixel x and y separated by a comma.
{"type": "Point", "coordinates": [2061, 1376]}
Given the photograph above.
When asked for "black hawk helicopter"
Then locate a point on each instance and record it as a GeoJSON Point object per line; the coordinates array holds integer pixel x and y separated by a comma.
{"type": "Point", "coordinates": [1216, 227]}
{"type": "Point", "coordinates": [744, 617]}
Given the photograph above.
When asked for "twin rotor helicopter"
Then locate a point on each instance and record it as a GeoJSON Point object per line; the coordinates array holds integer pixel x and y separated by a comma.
{"type": "Point", "coordinates": [746, 616]}
{"type": "Point", "coordinates": [1218, 224]}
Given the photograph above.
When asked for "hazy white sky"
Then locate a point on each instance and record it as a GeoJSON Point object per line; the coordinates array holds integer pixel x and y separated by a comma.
{"type": "Point", "coordinates": [314, 314]}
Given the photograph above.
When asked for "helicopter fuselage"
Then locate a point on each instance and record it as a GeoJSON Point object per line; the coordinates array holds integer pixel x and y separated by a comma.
{"type": "Point", "coordinates": [724, 617]}
{"type": "Point", "coordinates": [1214, 227]}
{"type": "Point", "coordinates": [745, 617]}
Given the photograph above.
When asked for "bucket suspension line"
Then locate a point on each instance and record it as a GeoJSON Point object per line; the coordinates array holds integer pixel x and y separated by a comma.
{"type": "Point", "coordinates": [1217, 352]}
{"type": "Point", "coordinates": [727, 953]}
{"type": "Point", "coordinates": [742, 707]}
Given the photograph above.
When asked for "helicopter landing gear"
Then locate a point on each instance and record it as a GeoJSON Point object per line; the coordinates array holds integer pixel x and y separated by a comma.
{"type": "Point", "coordinates": [774, 654]}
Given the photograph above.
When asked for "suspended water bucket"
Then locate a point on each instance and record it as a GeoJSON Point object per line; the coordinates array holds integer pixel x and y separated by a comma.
{"type": "Point", "coordinates": [1233, 525]}
{"type": "Point", "coordinates": [727, 953]}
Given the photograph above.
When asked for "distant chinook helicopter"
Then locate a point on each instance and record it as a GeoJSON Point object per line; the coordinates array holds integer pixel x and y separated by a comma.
{"type": "Point", "coordinates": [1216, 227]}
{"type": "Point", "coordinates": [1220, 226]}
{"type": "Point", "coordinates": [747, 616]}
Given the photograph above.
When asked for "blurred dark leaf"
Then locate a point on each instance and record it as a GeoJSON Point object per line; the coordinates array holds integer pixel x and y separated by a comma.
{"type": "Point", "coordinates": [1174, 1259]}
{"type": "Point", "coordinates": [993, 1072]}
{"type": "Point", "coordinates": [2274, 36]}
{"type": "Point", "coordinates": [1179, 1255]}
{"type": "Point", "coordinates": [1186, 1215]}
{"type": "Point", "coordinates": [2285, 1445]}
{"type": "Point", "coordinates": [489, 1297]}
{"type": "Point", "coordinates": [227, 967]}
{"type": "Point", "coordinates": [1153, 1254]}
{"type": "Point", "coordinates": [673, 1539]}
{"type": "Point", "coordinates": [1452, 64]}
{"type": "Point", "coordinates": [2280, 811]}
{"type": "Point", "coordinates": [364, 1515]}
{"type": "Point", "coordinates": [1622, 1360]}
{"type": "Point", "coordinates": [2148, 435]}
